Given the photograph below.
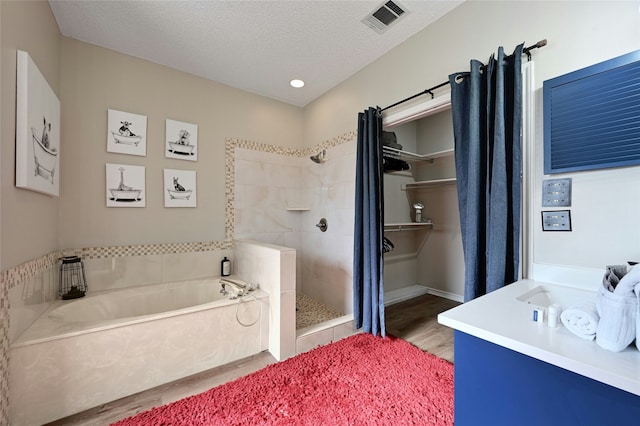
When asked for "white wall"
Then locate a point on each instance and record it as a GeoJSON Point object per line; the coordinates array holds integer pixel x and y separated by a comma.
{"type": "Point", "coordinates": [29, 219]}
{"type": "Point", "coordinates": [579, 34]}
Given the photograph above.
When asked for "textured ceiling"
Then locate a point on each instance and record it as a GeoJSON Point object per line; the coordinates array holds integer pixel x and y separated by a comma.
{"type": "Point", "coordinates": [258, 46]}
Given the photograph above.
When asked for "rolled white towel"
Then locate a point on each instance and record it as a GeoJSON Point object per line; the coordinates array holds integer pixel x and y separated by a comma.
{"type": "Point", "coordinates": [581, 319]}
{"type": "Point", "coordinates": [618, 312]}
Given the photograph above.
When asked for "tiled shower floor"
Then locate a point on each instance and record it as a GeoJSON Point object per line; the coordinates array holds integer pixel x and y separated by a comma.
{"type": "Point", "coordinates": [311, 312]}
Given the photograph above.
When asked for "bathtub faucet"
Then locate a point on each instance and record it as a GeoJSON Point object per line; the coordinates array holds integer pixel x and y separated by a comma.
{"type": "Point", "coordinates": [236, 288]}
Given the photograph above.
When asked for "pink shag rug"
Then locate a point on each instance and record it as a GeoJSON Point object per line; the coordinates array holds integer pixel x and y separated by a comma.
{"type": "Point", "coordinates": [359, 380]}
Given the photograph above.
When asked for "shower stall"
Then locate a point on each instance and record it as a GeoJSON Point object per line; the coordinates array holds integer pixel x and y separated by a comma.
{"type": "Point", "coordinates": [287, 197]}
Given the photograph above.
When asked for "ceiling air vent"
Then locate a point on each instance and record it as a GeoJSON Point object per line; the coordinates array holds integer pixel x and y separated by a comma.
{"type": "Point", "coordinates": [385, 15]}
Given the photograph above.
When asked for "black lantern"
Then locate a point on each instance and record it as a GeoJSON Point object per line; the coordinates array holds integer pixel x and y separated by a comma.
{"type": "Point", "coordinates": [73, 283]}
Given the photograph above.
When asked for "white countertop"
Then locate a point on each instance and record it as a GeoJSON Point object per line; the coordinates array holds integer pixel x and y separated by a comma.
{"type": "Point", "coordinates": [500, 318]}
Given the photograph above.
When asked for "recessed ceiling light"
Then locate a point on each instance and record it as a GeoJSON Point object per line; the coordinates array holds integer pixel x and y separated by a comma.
{"type": "Point", "coordinates": [297, 83]}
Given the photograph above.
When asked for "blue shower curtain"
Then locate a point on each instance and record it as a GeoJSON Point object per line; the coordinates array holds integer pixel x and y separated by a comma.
{"type": "Point", "coordinates": [368, 289]}
{"type": "Point", "coordinates": [486, 106]}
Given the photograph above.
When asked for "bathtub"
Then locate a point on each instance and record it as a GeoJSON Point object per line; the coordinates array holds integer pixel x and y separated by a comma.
{"type": "Point", "coordinates": [45, 158]}
{"type": "Point", "coordinates": [83, 353]}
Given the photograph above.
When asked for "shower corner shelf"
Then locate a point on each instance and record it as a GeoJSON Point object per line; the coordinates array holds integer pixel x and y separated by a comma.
{"type": "Point", "coordinates": [415, 158]}
{"type": "Point", "coordinates": [297, 209]}
{"type": "Point", "coordinates": [407, 226]}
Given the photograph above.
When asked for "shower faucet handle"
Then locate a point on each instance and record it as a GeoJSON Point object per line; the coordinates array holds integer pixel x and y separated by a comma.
{"type": "Point", "coordinates": [322, 225]}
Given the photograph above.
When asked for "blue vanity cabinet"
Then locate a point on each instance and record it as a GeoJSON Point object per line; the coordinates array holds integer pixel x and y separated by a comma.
{"type": "Point", "coordinates": [498, 386]}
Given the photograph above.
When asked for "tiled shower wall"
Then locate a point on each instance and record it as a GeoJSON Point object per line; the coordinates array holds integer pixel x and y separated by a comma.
{"type": "Point", "coordinates": [280, 196]}
{"type": "Point", "coordinates": [327, 257]}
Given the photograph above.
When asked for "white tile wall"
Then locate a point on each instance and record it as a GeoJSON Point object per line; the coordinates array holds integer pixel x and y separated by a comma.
{"type": "Point", "coordinates": [267, 183]}
{"type": "Point", "coordinates": [118, 272]}
{"type": "Point", "coordinates": [327, 263]}
{"type": "Point", "coordinates": [184, 266]}
{"type": "Point", "coordinates": [273, 268]}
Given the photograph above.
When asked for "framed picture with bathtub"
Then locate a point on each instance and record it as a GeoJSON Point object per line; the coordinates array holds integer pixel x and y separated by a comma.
{"type": "Point", "coordinates": [180, 188]}
{"type": "Point", "coordinates": [37, 129]}
{"type": "Point", "coordinates": [126, 133]}
{"type": "Point", "coordinates": [181, 140]}
{"type": "Point", "coordinates": [125, 185]}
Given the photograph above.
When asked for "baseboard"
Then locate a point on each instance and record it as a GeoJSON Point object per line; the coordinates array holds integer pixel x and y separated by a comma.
{"type": "Point", "coordinates": [404, 293]}
{"type": "Point", "coordinates": [409, 292]}
{"type": "Point", "coordinates": [446, 294]}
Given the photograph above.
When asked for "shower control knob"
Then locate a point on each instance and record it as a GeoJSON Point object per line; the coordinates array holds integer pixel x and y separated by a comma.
{"type": "Point", "coordinates": [322, 225]}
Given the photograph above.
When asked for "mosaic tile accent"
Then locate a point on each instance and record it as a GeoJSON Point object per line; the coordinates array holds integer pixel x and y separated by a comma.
{"type": "Point", "coordinates": [145, 249]}
{"type": "Point", "coordinates": [311, 312]}
{"type": "Point", "coordinates": [292, 152]}
{"type": "Point", "coordinates": [21, 273]}
{"type": "Point", "coordinates": [230, 191]}
{"type": "Point", "coordinates": [270, 149]}
{"type": "Point", "coordinates": [339, 140]}
{"type": "Point", "coordinates": [4, 359]}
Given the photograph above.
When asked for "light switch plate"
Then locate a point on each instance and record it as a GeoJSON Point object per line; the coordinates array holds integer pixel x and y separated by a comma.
{"type": "Point", "coordinates": [556, 192]}
{"type": "Point", "coordinates": [557, 220]}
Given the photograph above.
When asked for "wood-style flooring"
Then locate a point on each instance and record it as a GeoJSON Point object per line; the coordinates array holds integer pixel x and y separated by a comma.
{"type": "Point", "coordinates": [414, 320]}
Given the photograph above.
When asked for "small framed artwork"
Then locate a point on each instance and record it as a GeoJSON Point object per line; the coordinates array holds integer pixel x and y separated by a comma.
{"type": "Point", "coordinates": [181, 140]}
{"type": "Point", "coordinates": [126, 133]}
{"type": "Point", "coordinates": [180, 188]}
{"type": "Point", "coordinates": [37, 130]}
{"type": "Point", "coordinates": [125, 185]}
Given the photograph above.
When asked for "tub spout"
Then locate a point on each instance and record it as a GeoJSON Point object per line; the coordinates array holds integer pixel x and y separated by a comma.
{"type": "Point", "coordinates": [236, 288]}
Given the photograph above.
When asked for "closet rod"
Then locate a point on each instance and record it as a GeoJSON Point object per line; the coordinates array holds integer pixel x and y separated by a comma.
{"type": "Point", "coordinates": [525, 51]}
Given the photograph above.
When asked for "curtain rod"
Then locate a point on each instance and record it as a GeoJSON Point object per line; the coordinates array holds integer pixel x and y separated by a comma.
{"type": "Point", "coordinates": [525, 51]}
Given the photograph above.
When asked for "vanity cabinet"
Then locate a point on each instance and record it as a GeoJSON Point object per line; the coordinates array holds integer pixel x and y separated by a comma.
{"type": "Point", "coordinates": [498, 386]}
{"type": "Point", "coordinates": [510, 370]}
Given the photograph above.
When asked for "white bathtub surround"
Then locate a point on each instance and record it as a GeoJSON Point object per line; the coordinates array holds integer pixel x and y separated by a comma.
{"type": "Point", "coordinates": [29, 299]}
{"type": "Point", "coordinates": [109, 273]}
{"type": "Point", "coordinates": [274, 269]}
{"type": "Point", "coordinates": [82, 368]}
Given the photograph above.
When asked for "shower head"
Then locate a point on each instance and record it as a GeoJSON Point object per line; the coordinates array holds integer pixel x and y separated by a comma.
{"type": "Point", "coordinates": [319, 157]}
